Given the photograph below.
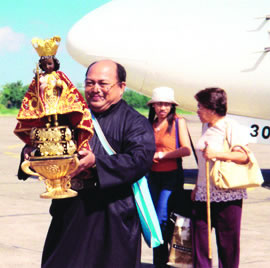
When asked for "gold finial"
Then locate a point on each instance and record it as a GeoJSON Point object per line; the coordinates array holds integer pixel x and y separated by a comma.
{"type": "Point", "coordinates": [47, 47]}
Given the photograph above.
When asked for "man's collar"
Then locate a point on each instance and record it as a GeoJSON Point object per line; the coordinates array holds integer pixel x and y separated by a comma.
{"type": "Point", "coordinates": [109, 110]}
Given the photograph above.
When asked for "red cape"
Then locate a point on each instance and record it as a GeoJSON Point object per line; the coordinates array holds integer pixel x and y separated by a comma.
{"type": "Point", "coordinates": [71, 106]}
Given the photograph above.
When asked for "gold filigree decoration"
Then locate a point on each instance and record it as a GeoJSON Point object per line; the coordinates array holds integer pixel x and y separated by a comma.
{"type": "Point", "coordinates": [53, 168]}
{"type": "Point", "coordinates": [68, 134]}
{"type": "Point", "coordinates": [49, 149]}
{"type": "Point", "coordinates": [71, 147]}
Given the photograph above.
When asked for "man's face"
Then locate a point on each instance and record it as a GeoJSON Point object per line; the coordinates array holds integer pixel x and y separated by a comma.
{"type": "Point", "coordinates": [48, 65]}
{"type": "Point", "coordinates": [102, 88]}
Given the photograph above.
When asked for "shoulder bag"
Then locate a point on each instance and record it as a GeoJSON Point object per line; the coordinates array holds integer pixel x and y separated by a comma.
{"type": "Point", "coordinates": [180, 254]}
{"type": "Point", "coordinates": [230, 175]}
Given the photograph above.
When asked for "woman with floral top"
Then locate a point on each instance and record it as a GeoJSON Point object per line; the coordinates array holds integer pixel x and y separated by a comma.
{"type": "Point", "coordinates": [226, 205]}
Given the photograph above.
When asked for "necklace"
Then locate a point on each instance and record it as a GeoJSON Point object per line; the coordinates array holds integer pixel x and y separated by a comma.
{"type": "Point", "coordinates": [157, 126]}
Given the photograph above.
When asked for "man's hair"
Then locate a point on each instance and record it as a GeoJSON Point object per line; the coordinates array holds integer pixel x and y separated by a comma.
{"type": "Point", "coordinates": [213, 98]}
{"type": "Point", "coordinates": [55, 60]}
{"type": "Point", "coordinates": [121, 72]}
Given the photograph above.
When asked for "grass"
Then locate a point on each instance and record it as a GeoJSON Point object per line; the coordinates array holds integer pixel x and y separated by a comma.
{"type": "Point", "coordinates": [144, 111]}
{"type": "Point", "coordinates": [7, 112]}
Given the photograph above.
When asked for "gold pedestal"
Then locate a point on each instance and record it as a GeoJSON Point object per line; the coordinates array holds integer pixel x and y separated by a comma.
{"type": "Point", "coordinates": [54, 171]}
{"type": "Point", "coordinates": [59, 193]}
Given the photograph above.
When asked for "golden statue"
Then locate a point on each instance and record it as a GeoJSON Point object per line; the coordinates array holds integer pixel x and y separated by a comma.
{"type": "Point", "coordinates": [52, 114]}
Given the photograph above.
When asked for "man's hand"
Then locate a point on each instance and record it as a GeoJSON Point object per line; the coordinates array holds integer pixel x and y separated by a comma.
{"type": "Point", "coordinates": [27, 151]}
{"type": "Point", "coordinates": [87, 160]}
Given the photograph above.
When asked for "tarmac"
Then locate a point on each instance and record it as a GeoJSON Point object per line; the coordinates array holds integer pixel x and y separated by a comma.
{"type": "Point", "coordinates": [24, 217]}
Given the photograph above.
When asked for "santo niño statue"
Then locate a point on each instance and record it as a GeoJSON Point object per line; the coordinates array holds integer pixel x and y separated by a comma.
{"type": "Point", "coordinates": [54, 119]}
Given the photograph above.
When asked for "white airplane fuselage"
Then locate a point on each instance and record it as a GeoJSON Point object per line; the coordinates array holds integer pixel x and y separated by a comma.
{"type": "Point", "coordinates": [186, 45]}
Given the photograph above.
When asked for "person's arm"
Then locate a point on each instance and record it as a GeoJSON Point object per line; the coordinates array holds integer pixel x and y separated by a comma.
{"type": "Point", "coordinates": [86, 161]}
{"type": "Point", "coordinates": [27, 150]}
{"type": "Point", "coordinates": [134, 160]}
{"type": "Point", "coordinates": [237, 155]}
{"type": "Point", "coordinates": [185, 147]}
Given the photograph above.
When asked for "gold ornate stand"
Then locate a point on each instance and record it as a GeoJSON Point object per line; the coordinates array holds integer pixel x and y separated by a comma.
{"type": "Point", "coordinates": [54, 171]}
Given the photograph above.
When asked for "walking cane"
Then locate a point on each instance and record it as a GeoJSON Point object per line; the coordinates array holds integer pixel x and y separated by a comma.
{"type": "Point", "coordinates": [208, 209]}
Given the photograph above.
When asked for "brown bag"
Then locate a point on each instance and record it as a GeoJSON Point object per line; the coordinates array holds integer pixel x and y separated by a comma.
{"type": "Point", "coordinates": [181, 243]}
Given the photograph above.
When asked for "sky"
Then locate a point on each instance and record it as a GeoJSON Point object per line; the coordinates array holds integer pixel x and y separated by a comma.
{"type": "Point", "coordinates": [21, 20]}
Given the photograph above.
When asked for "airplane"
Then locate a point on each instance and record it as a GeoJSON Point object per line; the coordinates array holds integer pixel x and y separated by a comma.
{"type": "Point", "coordinates": [186, 45]}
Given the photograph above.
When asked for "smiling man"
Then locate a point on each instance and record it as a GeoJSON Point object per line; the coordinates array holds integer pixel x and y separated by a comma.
{"type": "Point", "coordinates": [100, 227]}
{"type": "Point", "coordinates": [104, 85]}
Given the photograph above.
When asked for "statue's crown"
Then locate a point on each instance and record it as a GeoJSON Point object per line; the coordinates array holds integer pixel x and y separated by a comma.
{"type": "Point", "coordinates": [47, 47]}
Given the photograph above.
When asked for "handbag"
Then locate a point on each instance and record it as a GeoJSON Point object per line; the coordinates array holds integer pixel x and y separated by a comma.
{"type": "Point", "coordinates": [145, 207]}
{"type": "Point", "coordinates": [181, 244]}
{"type": "Point", "coordinates": [230, 175]}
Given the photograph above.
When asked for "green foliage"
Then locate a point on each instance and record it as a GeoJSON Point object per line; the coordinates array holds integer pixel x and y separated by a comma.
{"type": "Point", "coordinates": [12, 94]}
{"type": "Point", "coordinates": [180, 111]}
{"type": "Point", "coordinates": [139, 102]}
{"type": "Point", "coordinates": [135, 99]}
{"type": "Point", "coordinates": [5, 111]}
{"type": "Point", "coordinates": [79, 86]}
{"type": "Point", "coordinates": [143, 111]}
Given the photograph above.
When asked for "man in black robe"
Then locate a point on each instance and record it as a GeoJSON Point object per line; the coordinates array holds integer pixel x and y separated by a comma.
{"type": "Point", "coordinates": [100, 228]}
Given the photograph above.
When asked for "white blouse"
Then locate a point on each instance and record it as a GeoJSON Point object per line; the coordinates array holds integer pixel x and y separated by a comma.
{"type": "Point", "coordinates": [215, 136]}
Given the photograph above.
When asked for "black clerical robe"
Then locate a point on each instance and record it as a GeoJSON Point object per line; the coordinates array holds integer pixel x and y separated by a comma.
{"type": "Point", "coordinates": [100, 227]}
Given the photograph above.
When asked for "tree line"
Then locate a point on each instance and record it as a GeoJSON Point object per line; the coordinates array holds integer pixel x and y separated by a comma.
{"type": "Point", "coordinates": [12, 94]}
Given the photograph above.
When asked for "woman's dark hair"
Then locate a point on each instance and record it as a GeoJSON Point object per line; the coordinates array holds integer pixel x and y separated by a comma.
{"type": "Point", "coordinates": [121, 72]}
{"type": "Point", "coordinates": [170, 117]}
{"type": "Point", "coordinates": [213, 98]}
{"type": "Point", "coordinates": [55, 60]}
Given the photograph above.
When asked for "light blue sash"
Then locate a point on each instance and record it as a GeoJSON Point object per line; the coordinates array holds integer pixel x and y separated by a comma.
{"type": "Point", "coordinates": [145, 207]}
